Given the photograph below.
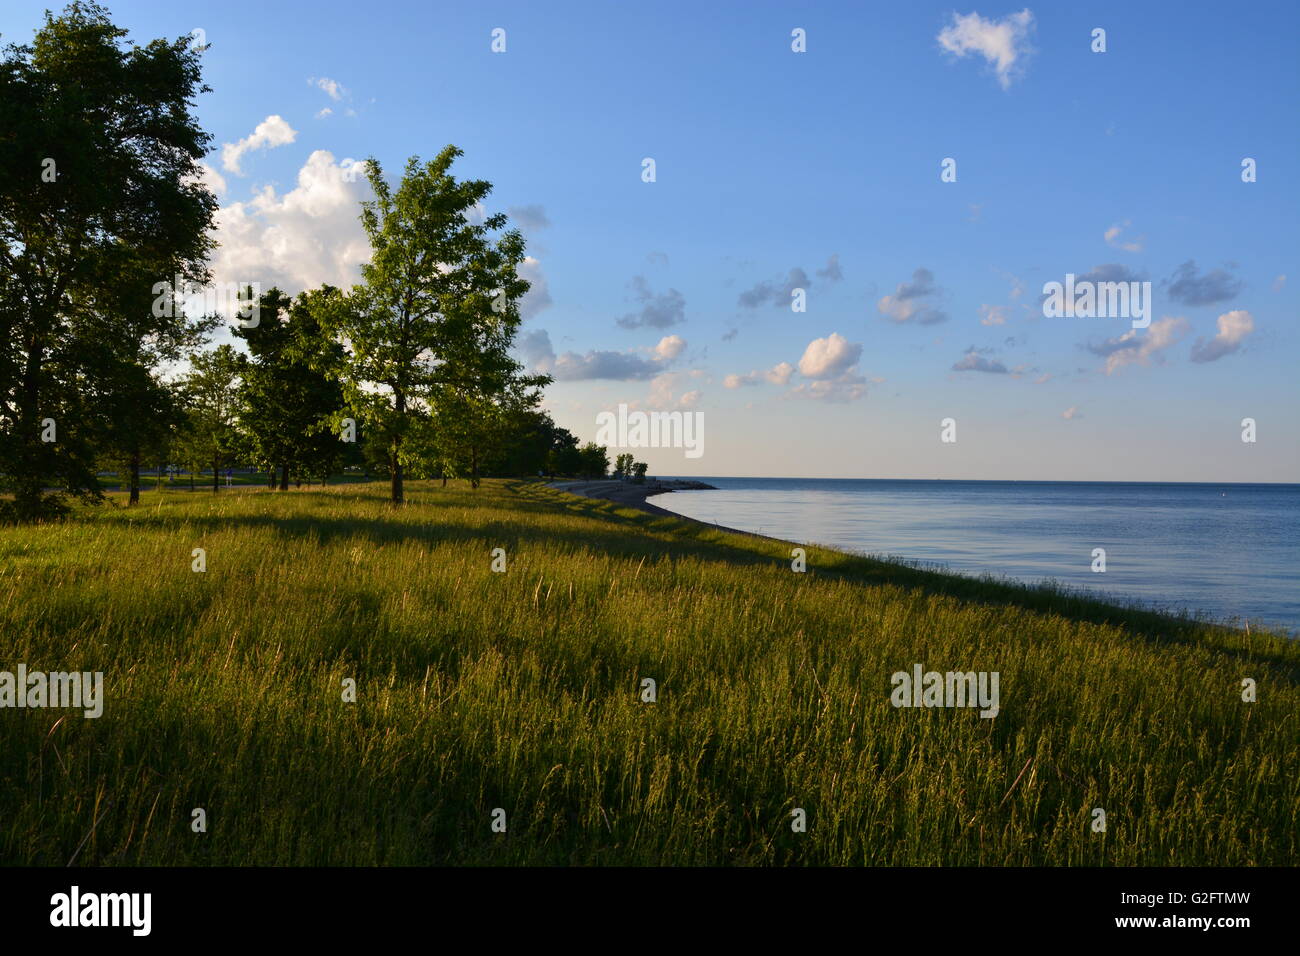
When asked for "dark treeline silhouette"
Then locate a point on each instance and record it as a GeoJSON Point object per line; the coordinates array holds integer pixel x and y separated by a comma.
{"type": "Point", "coordinates": [105, 233]}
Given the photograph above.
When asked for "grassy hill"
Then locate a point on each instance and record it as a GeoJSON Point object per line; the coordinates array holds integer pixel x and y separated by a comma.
{"type": "Point", "coordinates": [522, 691]}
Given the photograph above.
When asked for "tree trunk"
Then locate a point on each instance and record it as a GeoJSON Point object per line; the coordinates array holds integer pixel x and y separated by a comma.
{"type": "Point", "coordinates": [191, 477]}
{"type": "Point", "coordinates": [134, 498]}
{"type": "Point", "coordinates": [395, 464]}
{"type": "Point", "coordinates": [29, 483]}
{"type": "Point", "coordinates": [216, 477]}
{"type": "Point", "coordinates": [284, 476]}
{"type": "Point", "coordinates": [473, 467]}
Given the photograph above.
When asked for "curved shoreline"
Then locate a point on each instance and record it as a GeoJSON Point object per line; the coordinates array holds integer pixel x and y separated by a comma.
{"type": "Point", "coordinates": [632, 495]}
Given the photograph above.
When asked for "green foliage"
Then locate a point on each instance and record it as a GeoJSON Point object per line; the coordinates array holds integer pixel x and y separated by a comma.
{"type": "Point", "coordinates": [99, 198]}
{"type": "Point", "coordinates": [436, 313]}
{"type": "Point", "coordinates": [211, 391]}
{"type": "Point", "coordinates": [290, 399]}
{"type": "Point", "coordinates": [521, 690]}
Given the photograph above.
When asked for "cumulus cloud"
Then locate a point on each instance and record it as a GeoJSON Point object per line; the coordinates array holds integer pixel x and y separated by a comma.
{"type": "Point", "coordinates": [531, 217]}
{"type": "Point", "coordinates": [1003, 43]}
{"type": "Point", "coordinates": [976, 360]}
{"type": "Point", "coordinates": [619, 366]}
{"type": "Point", "coordinates": [1071, 413]}
{"type": "Point", "coordinates": [911, 301]}
{"type": "Point", "coordinates": [831, 363]}
{"type": "Point", "coordinates": [1234, 326]}
{"type": "Point", "coordinates": [308, 236]}
{"type": "Point", "coordinates": [658, 310]}
{"type": "Point", "coordinates": [829, 357]}
{"type": "Point", "coordinates": [1112, 237]}
{"type": "Point", "coordinates": [669, 347]}
{"type": "Point", "coordinates": [1188, 287]}
{"type": "Point", "coordinates": [776, 292]}
{"type": "Point", "coordinates": [536, 349]}
{"type": "Point", "coordinates": [270, 133]}
{"type": "Point", "coordinates": [1139, 348]}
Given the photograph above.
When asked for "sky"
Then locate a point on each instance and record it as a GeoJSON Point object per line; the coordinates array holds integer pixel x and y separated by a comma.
{"type": "Point", "coordinates": [821, 170]}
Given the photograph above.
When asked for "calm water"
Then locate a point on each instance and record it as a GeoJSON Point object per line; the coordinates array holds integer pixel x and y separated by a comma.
{"type": "Point", "coordinates": [1225, 551]}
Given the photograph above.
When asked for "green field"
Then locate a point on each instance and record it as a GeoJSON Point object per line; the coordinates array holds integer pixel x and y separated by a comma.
{"type": "Point", "coordinates": [522, 691]}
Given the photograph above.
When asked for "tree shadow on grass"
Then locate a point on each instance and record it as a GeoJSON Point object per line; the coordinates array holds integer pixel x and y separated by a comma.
{"type": "Point", "coordinates": [606, 528]}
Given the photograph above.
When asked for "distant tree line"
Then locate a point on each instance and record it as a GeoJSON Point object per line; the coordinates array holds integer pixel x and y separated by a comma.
{"type": "Point", "coordinates": [104, 222]}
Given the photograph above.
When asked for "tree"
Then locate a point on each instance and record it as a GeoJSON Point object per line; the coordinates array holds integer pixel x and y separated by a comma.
{"type": "Point", "coordinates": [595, 460]}
{"type": "Point", "coordinates": [212, 397]}
{"type": "Point", "coordinates": [638, 471]}
{"type": "Point", "coordinates": [99, 179]}
{"type": "Point", "coordinates": [623, 466]}
{"type": "Point", "coordinates": [289, 394]}
{"type": "Point", "coordinates": [438, 305]}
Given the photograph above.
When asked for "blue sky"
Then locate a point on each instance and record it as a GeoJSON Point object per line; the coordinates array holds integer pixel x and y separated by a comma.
{"type": "Point", "coordinates": [769, 161]}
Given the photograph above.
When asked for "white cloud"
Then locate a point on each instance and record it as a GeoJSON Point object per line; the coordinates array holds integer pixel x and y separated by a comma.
{"type": "Point", "coordinates": [829, 357]}
{"type": "Point", "coordinates": [778, 374]}
{"type": "Point", "coordinates": [270, 133]}
{"type": "Point", "coordinates": [993, 314]}
{"type": "Point", "coordinates": [908, 301]}
{"type": "Point", "coordinates": [1071, 413]}
{"type": "Point", "coordinates": [662, 390]}
{"type": "Point", "coordinates": [1135, 348]}
{"type": "Point", "coordinates": [324, 113]}
{"type": "Point", "coordinates": [1112, 235]}
{"type": "Point", "coordinates": [670, 346]}
{"type": "Point", "coordinates": [1003, 43]}
{"type": "Point", "coordinates": [538, 296]}
{"type": "Point", "coordinates": [333, 89]}
{"type": "Point", "coordinates": [215, 182]}
{"type": "Point", "coordinates": [1234, 326]}
{"type": "Point", "coordinates": [308, 236]}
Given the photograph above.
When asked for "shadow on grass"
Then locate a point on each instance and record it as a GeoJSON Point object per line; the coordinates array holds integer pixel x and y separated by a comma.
{"type": "Point", "coordinates": [673, 536]}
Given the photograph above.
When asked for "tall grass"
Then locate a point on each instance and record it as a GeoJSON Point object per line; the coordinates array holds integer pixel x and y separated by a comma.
{"type": "Point", "coordinates": [522, 691]}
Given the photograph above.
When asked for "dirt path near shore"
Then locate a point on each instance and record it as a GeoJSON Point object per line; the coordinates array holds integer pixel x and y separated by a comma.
{"type": "Point", "coordinates": [634, 496]}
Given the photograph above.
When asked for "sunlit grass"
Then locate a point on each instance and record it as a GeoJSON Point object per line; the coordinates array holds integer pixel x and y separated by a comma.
{"type": "Point", "coordinates": [521, 690]}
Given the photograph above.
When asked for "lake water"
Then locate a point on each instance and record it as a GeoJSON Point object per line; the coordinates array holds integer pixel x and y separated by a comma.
{"type": "Point", "coordinates": [1229, 552]}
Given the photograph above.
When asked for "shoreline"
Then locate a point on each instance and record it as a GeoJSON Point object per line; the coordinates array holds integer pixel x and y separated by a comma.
{"type": "Point", "coordinates": [631, 495]}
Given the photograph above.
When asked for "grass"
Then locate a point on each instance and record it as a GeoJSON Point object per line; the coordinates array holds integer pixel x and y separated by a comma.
{"type": "Point", "coordinates": [478, 690]}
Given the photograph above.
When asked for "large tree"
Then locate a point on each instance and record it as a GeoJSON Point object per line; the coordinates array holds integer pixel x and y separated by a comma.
{"type": "Point", "coordinates": [290, 393]}
{"type": "Point", "coordinates": [99, 185]}
{"type": "Point", "coordinates": [438, 305]}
